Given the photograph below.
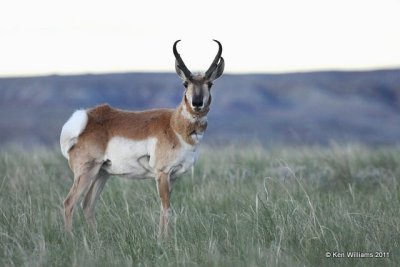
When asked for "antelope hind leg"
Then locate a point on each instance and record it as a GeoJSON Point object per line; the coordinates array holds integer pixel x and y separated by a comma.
{"type": "Point", "coordinates": [91, 197]}
{"type": "Point", "coordinates": [83, 177]}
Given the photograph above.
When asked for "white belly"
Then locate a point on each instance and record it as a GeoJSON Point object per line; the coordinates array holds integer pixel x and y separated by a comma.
{"type": "Point", "coordinates": [134, 159]}
{"type": "Point", "coordinates": [137, 159]}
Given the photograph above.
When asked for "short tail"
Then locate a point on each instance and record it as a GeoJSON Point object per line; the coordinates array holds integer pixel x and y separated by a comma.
{"type": "Point", "coordinates": [71, 131]}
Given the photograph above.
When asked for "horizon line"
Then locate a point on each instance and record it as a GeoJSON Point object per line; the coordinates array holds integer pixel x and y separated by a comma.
{"type": "Point", "coordinates": [99, 73]}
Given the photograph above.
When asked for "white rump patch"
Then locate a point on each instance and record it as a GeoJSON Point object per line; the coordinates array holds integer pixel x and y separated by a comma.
{"type": "Point", "coordinates": [71, 131]}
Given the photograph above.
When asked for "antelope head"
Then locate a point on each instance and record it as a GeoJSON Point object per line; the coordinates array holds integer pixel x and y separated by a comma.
{"type": "Point", "coordinates": [197, 86]}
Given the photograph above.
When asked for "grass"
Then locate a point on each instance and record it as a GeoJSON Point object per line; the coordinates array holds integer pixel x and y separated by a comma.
{"type": "Point", "coordinates": [242, 207]}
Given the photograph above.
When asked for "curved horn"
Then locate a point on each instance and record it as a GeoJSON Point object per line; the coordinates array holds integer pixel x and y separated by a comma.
{"type": "Point", "coordinates": [214, 64]}
{"type": "Point", "coordinates": [180, 62]}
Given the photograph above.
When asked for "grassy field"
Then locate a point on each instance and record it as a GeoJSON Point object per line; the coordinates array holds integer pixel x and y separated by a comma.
{"type": "Point", "coordinates": [242, 207]}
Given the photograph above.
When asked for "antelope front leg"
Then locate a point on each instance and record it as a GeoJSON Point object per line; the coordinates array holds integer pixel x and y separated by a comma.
{"type": "Point", "coordinates": [163, 186]}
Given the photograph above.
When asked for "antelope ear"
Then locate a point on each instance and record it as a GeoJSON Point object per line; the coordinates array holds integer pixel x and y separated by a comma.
{"type": "Point", "coordinates": [218, 70]}
{"type": "Point", "coordinates": [180, 72]}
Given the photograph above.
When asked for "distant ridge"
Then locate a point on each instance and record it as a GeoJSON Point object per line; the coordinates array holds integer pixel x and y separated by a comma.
{"type": "Point", "coordinates": [295, 108]}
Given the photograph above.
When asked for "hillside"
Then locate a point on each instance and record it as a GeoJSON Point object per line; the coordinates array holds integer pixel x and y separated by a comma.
{"type": "Point", "coordinates": [297, 108]}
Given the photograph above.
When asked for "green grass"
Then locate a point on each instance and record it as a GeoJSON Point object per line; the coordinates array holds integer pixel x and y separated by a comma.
{"type": "Point", "coordinates": [243, 207]}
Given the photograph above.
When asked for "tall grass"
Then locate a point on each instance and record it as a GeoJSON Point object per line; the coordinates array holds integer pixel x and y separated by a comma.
{"type": "Point", "coordinates": [242, 207]}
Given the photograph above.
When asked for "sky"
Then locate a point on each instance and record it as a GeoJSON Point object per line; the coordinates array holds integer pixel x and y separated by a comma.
{"type": "Point", "coordinates": [45, 37]}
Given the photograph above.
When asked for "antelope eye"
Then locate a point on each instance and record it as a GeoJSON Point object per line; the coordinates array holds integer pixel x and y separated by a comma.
{"type": "Point", "coordinates": [209, 84]}
{"type": "Point", "coordinates": [185, 84]}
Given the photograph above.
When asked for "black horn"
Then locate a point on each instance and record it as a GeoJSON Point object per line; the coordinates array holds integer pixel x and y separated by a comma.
{"type": "Point", "coordinates": [180, 62]}
{"type": "Point", "coordinates": [214, 64]}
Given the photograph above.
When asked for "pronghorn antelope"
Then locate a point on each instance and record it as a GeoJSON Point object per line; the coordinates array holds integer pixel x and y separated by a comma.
{"type": "Point", "coordinates": [160, 143]}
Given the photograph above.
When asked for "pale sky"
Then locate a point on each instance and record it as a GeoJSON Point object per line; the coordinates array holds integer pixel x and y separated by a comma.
{"type": "Point", "coordinates": [44, 37]}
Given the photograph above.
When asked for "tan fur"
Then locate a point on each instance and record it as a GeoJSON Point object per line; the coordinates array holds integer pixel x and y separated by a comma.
{"type": "Point", "coordinates": [106, 122]}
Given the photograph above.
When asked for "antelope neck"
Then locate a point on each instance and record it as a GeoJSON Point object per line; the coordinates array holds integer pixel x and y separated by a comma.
{"type": "Point", "coordinates": [189, 124]}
